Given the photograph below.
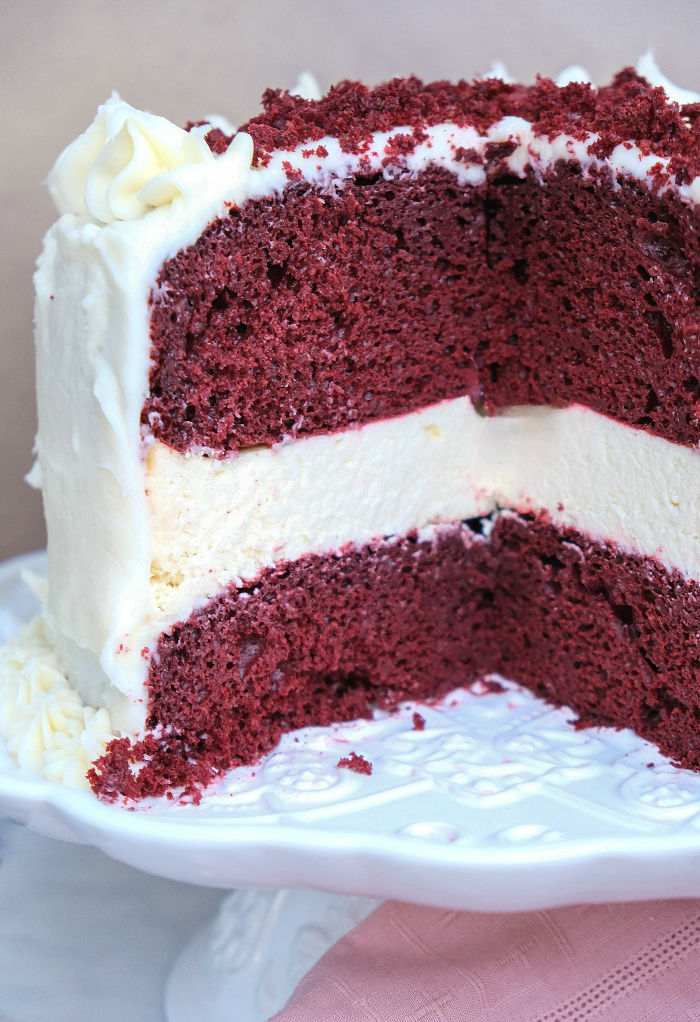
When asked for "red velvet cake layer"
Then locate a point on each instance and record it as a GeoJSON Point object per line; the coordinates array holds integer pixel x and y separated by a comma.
{"type": "Point", "coordinates": [397, 294]}
{"type": "Point", "coordinates": [325, 639]}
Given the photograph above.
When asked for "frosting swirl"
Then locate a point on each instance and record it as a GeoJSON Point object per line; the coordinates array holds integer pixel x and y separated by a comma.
{"type": "Point", "coordinates": [126, 163]}
{"type": "Point", "coordinates": [47, 727]}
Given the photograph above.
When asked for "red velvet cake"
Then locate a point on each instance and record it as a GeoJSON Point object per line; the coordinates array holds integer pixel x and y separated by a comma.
{"type": "Point", "coordinates": [385, 393]}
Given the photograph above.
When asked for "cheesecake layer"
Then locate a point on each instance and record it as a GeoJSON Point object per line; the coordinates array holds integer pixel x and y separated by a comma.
{"type": "Point", "coordinates": [214, 522]}
{"type": "Point", "coordinates": [327, 638]}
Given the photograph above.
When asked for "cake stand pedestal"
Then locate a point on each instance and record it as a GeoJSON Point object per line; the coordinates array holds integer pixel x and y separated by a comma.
{"type": "Point", "coordinates": [244, 966]}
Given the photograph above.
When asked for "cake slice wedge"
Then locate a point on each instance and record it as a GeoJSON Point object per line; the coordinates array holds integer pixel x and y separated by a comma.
{"type": "Point", "coordinates": [387, 392]}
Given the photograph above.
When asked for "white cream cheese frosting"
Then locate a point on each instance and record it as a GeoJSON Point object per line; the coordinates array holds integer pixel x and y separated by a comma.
{"type": "Point", "coordinates": [646, 67]}
{"type": "Point", "coordinates": [133, 191]}
{"type": "Point", "coordinates": [124, 164]}
{"type": "Point", "coordinates": [47, 727]}
{"type": "Point", "coordinates": [306, 87]}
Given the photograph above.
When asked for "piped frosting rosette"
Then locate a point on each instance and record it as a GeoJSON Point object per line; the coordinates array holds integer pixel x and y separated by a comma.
{"type": "Point", "coordinates": [47, 727]}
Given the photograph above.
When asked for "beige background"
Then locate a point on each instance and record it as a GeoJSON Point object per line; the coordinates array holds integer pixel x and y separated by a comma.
{"type": "Point", "coordinates": [60, 58]}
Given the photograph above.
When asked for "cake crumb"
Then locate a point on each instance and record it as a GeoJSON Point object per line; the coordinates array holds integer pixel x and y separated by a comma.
{"type": "Point", "coordinates": [493, 686]}
{"type": "Point", "coordinates": [418, 722]}
{"type": "Point", "coordinates": [357, 763]}
{"type": "Point", "coordinates": [650, 766]}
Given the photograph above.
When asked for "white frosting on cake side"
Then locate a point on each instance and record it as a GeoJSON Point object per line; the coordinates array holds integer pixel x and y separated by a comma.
{"type": "Point", "coordinates": [135, 191]}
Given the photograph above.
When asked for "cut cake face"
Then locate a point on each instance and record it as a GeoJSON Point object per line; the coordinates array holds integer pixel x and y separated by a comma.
{"type": "Point", "coordinates": [390, 391]}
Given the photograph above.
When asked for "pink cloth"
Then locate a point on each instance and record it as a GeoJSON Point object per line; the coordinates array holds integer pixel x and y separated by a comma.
{"type": "Point", "coordinates": [404, 963]}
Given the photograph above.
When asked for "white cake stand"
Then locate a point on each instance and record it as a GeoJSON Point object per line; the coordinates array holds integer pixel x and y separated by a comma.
{"type": "Point", "coordinates": [498, 804]}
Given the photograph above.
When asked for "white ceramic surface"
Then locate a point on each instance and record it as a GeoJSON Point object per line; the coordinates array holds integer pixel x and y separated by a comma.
{"type": "Point", "coordinates": [246, 964]}
{"type": "Point", "coordinates": [498, 804]}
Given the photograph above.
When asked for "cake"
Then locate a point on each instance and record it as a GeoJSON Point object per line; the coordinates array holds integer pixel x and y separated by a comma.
{"type": "Point", "coordinates": [387, 392]}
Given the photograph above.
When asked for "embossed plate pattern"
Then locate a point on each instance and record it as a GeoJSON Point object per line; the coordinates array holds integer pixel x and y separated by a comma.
{"type": "Point", "coordinates": [499, 803]}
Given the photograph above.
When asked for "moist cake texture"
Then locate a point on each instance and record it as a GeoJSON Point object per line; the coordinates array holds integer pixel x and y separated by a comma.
{"type": "Point", "coordinates": [385, 393]}
{"type": "Point", "coordinates": [391, 294]}
{"type": "Point", "coordinates": [326, 639]}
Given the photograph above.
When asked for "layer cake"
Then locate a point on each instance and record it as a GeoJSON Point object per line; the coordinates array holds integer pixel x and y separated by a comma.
{"type": "Point", "coordinates": [387, 392]}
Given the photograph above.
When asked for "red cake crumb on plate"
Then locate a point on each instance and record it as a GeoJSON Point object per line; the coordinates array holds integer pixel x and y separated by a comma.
{"type": "Point", "coordinates": [357, 763]}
